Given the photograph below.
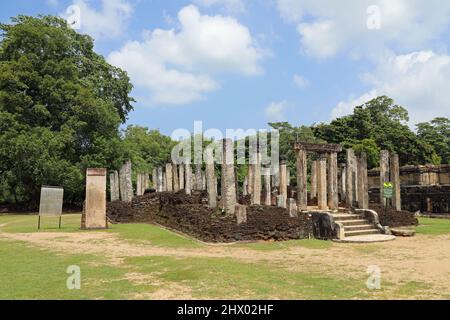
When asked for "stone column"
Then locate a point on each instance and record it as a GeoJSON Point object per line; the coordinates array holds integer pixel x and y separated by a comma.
{"type": "Point", "coordinates": [176, 180]}
{"type": "Point", "coordinates": [126, 184]}
{"type": "Point", "coordinates": [241, 214]}
{"type": "Point", "coordinates": [281, 201]}
{"type": "Point", "coordinates": [251, 169]}
{"type": "Point", "coordinates": [283, 182]}
{"type": "Point", "coordinates": [203, 181]}
{"type": "Point", "coordinates": [169, 177]}
{"type": "Point", "coordinates": [363, 183]}
{"type": "Point", "coordinates": [333, 196]}
{"type": "Point", "coordinates": [322, 183]}
{"type": "Point", "coordinates": [302, 176]}
{"type": "Point", "coordinates": [395, 178]}
{"type": "Point", "coordinates": [343, 182]}
{"type": "Point", "coordinates": [198, 177]}
{"type": "Point", "coordinates": [245, 186]}
{"type": "Point", "coordinates": [211, 179]}
{"type": "Point", "coordinates": [292, 208]}
{"type": "Point", "coordinates": [95, 209]}
{"type": "Point", "coordinates": [164, 181]}
{"type": "Point", "coordinates": [181, 176]}
{"type": "Point", "coordinates": [351, 178]}
{"type": "Point", "coordinates": [139, 184]}
{"type": "Point", "coordinates": [313, 192]}
{"type": "Point", "coordinates": [160, 180]}
{"type": "Point", "coordinates": [267, 187]}
{"type": "Point", "coordinates": [256, 196]}
{"type": "Point", "coordinates": [114, 186]}
{"type": "Point", "coordinates": [188, 178]}
{"type": "Point", "coordinates": [228, 178]}
{"type": "Point", "coordinates": [288, 177]}
{"type": "Point", "coordinates": [155, 179]}
{"type": "Point", "coordinates": [384, 174]}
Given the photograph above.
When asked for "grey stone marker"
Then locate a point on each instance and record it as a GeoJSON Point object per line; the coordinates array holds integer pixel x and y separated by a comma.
{"type": "Point", "coordinates": [343, 182]}
{"type": "Point", "coordinates": [333, 194]}
{"type": "Point", "coordinates": [395, 177]}
{"type": "Point", "coordinates": [281, 201]}
{"type": "Point", "coordinates": [95, 209]}
{"type": "Point", "coordinates": [126, 184]}
{"type": "Point", "coordinates": [211, 179]}
{"type": "Point", "coordinates": [181, 176]}
{"type": "Point", "coordinates": [363, 184]}
{"type": "Point", "coordinates": [283, 181]}
{"type": "Point", "coordinates": [292, 208]}
{"type": "Point", "coordinates": [351, 185]}
{"type": "Point", "coordinates": [384, 174]}
{"type": "Point", "coordinates": [139, 184]}
{"type": "Point", "coordinates": [302, 176]}
{"type": "Point", "coordinates": [169, 177]}
{"type": "Point", "coordinates": [51, 203]}
{"type": "Point", "coordinates": [188, 179]}
{"type": "Point", "coordinates": [176, 180]}
{"type": "Point", "coordinates": [322, 183]}
{"type": "Point", "coordinates": [241, 214]}
{"type": "Point", "coordinates": [228, 178]}
{"type": "Point", "coordinates": [114, 186]}
{"type": "Point", "coordinates": [251, 169]}
{"type": "Point", "coordinates": [267, 187]}
{"type": "Point", "coordinates": [198, 177]}
{"type": "Point", "coordinates": [160, 179]}
{"type": "Point", "coordinates": [256, 196]}
{"type": "Point", "coordinates": [245, 186]}
{"type": "Point", "coordinates": [155, 179]}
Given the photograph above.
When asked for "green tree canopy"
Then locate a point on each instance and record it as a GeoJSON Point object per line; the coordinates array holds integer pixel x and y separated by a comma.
{"type": "Point", "coordinates": [437, 133]}
{"type": "Point", "coordinates": [61, 105]}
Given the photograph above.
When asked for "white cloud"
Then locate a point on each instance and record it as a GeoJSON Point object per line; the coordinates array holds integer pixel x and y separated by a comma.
{"type": "Point", "coordinates": [108, 22]}
{"type": "Point", "coordinates": [418, 81]}
{"type": "Point", "coordinates": [327, 27]}
{"type": "Point", "coordinates": [300, 81]}
{"type": "Point", "coordinates": [176, 65]}
{"type": "Point", "coordinates": [231, 6]}
{"type": "Point", "coordinates": [346, 107]}
{"type": "Point", "coordinates": [275, 112]}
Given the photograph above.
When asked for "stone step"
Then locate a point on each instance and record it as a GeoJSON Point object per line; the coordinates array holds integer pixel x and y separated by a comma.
{"type": "Point", "coordinates": [359, 227]}
{"type": "Point", "coordinates": [361, 232]}
{"type": "Point", "coordinates": [354, 222]}
{"type": "Point", "coordinates": [346, 216]}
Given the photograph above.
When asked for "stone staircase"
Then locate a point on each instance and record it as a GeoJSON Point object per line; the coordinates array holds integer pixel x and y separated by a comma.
{"type": "Point", "coordinates": [355, 225]}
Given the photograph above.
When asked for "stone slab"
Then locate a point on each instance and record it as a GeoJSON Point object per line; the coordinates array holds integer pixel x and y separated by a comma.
{"type": "Point", "coordinates": [372, 238]}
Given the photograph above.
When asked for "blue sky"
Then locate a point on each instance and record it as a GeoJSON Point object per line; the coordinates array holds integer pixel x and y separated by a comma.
{"type": "Point", "coordinates": [241, 64]}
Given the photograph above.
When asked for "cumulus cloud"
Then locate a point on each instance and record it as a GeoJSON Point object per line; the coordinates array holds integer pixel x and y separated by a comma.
{"type": "Point", "coordinates": [110, 21]}
{"type": "Point", "coordinates": [418, 81]}
{"type": "Point", "coordinates": [177, 65]}
{"type": "Point", "coordinates": [275, 112]}
{"type": "Point", "coordinates": [231, 6]}
{"type": "Point", "coordinates": [327, 27]}
{"type": "Point", "coordinates": [300, 81]}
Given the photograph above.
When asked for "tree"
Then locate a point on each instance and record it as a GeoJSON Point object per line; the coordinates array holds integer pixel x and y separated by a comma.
{"type": "Point", "coordinates": [437, 133]}
{"type": "Point", "coordinates": [384, 122]}
{"type": "Point", "coordinates": [61, 105]}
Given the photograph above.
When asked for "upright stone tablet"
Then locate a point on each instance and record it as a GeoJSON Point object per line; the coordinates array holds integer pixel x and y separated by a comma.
{"type": "Point", "coordinates": [95, 210]}
{"type": "Point", "coordinates": [51, 201]}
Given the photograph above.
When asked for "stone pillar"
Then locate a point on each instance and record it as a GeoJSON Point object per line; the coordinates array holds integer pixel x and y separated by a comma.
{"type": "Point", "coordinates": [302, 175]}
{"type": "Point", "coordinates": [139, 184]}
{"type": "Point", "coordinates": [343, 182]}
{"type": "Point", "coordinates": [384, 174]}
{"type": "Point", "coordinates": [333, 196]}
{"type": "Point", "coordinates": [288, 177]}
{"type": "Point", "coordinates": [363, 183]}
{"type": "Point", "coordinates": [169, 177]}
{"type": "Point", "coordinates": [267, 187]}
{"type": "Point", "coordinates": [164, 182]}
{"type": "Point", "coordinates": [95, 208]}
{"type": "Point", "coordinates": [313, 192]}
{"type": "Point", "coordinates": [228, 178]}
{"type": "Point", "coordinates": [251, 169]}
{"type": "Point", "coordinates": [395, 178]}
{"type": "Point", "coordinates": [322, 183]}
{"type": "Point", "coordinates": [160, 180]}
{"type": "Point", "coordinates": [203, 181]}
{"type": "Point", "coordinates": [292, 208]}
{"type": "Point", "coordinates": [245, 186]}
{"type": "Point", "coordinates": [283, 182]}
{"type": "Point", "coordinates": [176, 180]}
{"type": "Point", "coordinates": [281, 201]}
{"type": "Point", "coordinates": [126, 184]}
{"type": "Point", "coordinates": [198, 177]}
{"type": "Point", "coordinates": [181, 176]}
{"type": "Point", "coordinates": [114, 186]}
{"type": "Point", "coordinates": [211, 179]}
{"type": "Point", "coordinates": [188, 178]}
{"type": "Point", "coordinates": [155, 179]}
{"type": "Point", "coordinates": [351, 178]}
{"type": "Point", "coordinates": [241, 214]}
{"type": "Point", "coordinates": [256, 196]}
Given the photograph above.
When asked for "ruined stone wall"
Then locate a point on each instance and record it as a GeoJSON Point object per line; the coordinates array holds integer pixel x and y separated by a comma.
{"type": "Point", "coordinates": [394, 218]}
{"type": "Point", "coordinates": [191, 215]}
{"type": "Point", "coordinates": [428, 175]}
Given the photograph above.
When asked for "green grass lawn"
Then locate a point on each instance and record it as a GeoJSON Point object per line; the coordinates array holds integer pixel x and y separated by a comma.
{"type": "Point", "coordinates": [27, 272]}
